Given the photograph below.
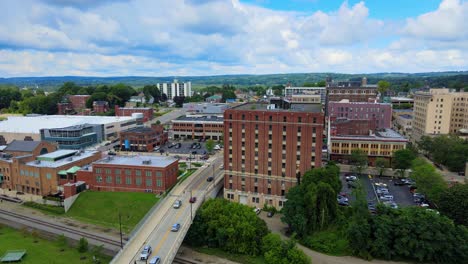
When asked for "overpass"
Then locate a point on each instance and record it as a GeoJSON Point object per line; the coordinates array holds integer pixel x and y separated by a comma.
{"type": "Point", "coordinates": [155, 229]}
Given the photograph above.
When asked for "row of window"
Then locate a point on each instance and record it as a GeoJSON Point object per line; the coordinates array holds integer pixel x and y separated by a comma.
{"type": "Point", "coordinates": [34, 174]}
{"type": "Point", "coordinates": [128, 180]}
{"type": "Point", "coordinates": [285, 118]}
{"type": "Point", "coordinates": [127, 172]}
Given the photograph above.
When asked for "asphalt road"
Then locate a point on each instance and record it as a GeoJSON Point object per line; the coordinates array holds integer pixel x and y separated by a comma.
{"type": "Point", "coordinates": [161, 239]}
{"type": "Point", "coordinates": [169, 116]}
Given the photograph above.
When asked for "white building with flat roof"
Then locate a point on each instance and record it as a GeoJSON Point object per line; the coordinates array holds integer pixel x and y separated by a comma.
{"type": "Point", "coordinates": [175, 89]}
{"type": "Point", "coordinates": [20, 127]}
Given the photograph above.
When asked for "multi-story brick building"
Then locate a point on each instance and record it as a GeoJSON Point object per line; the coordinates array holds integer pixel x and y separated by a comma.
{"type": "Point", "coordinates": [353, 91]}
{"type": "Point", "coordinates": [382, 144]}
{"type": "Point", "coordinates": [131, 174]}
{"type": "Point", "coordinates": [379, 113]}
{"type": "Point", "coordinates": [267, 147]}
{"type": "Point", "coordinates": [73, 104]}
{"type": "Point", "coordinates": [198, 126]}
{"type": "Point", "coordinates": [100, 107]}
{"type": "Point", "coordinates": [147, 112]}
{"type": "Point", "coordinates": [45, 173]}
{"type": "Point", "coordinates": [16, 152]}
{"type": "Point", "coordinates": [143, 138]}
{"type": "Point", "coordinates": [439, 111]}
{"type": "Point", "coordinates": [305, 92]}
{"type": "Point", "coordinates": [344, 126]}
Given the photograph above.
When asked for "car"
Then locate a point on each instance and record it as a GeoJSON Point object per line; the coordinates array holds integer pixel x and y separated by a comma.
{"type": "Point", "coordinates": [177, 157]}
{"type": "Point", "coordinates": [178, 146]}
{"type": "Point", "coordinates": [198, 146]}
{"type": "Point", "coordinates": [209, 179]}
{"type": "Point", "coordinates": [193, 199]}
{"type": "Point", "coordinates": [350, 178]}
{"type": "Point", "coordinates": [221, 167]}
{"type": "Point", "coordinates": [399, 182]}
{"type": "Point", "coordinates": [419, 197]}
{"type": "Point", "coordinates": [157, 148]}
{"type": "Point", "coordinates": [177, 204]}
{"type": "Point", "coordinates": [382, 191]}
{"type": "Point", "coordinates": [194, 152]}
{"type": "Point", "coordinates": [175, 227]}
{"type": "Point", "coordinates": [155, 260]}
{"type": "Point", "coordinates": [380, 184]}
{"type": "Point", "coordinates": [257, 210]}
{"type": "Point", "coordinates": [200, 139]}
{"type": "Point", "coordinates": [270, 214]}
{"type": "Point", "coordinates": [461, 173]}
{"type": "Point", "coordinates": [204, 157]}
{"type": "Point", "coordinates": [341, 197]}
{"type": "Point", "coordinates": [343, 202]}
{"type": "Point", "coordinates": [217, 147]}
{"type": "Point", "coordinates": [391, 204]}
{"type": "Point", "coordinates": [352, 184]}
{"type": "Point", "coordinates": [386, 197]}
{"type": "Point", "coordinates": [146, 252]}
{"type": "Point", "coordinates": [112, 153]}
{"type": "Point", "coordinates": [161, 151]}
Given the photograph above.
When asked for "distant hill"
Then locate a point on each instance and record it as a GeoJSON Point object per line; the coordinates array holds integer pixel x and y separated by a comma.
{"type": "Point", "coordinates": [433, 78]}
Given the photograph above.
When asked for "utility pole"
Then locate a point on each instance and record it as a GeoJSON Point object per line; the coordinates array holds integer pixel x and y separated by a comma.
{"type": "Point", "coordinates": [120, 224]}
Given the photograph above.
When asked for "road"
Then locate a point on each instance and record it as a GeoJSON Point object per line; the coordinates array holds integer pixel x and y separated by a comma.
{"type": "Point", "coordinates": [157, 231]}
{"type": "Point", "coordinates": [169, 116]}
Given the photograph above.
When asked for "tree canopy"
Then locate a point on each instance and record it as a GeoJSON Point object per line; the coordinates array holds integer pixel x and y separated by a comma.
{"type": "Point", "coordinates": [402, 160]}
{"type": "Point", "coordinates": [450, 151]}
{"type": "Point", "coordinates": [454, 204]}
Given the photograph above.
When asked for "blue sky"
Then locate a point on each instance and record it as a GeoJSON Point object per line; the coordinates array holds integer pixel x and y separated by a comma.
{"type": "Point", "coordinates": [211, 37]}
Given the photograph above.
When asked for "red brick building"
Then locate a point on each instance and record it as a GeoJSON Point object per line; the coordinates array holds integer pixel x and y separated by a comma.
{"type": "Point", "coordinates": [344, 126]}
{"type": "Point", "coordinates": [267, 148]}
{"type": "Point", "coordinates": [126, 111]}
{"type": "Point", "coordinates": [76, 103]}
{"type": "Point", "coordinates": [100, 107]}
{"type": "Point", "coordinates": [354, 91]}
{"type": "Point", "coordinates": [143, 138]}
{"type": "Point", "coordinates": [131, 174]}
{"type": "Point", "coordinates": [195, 127]}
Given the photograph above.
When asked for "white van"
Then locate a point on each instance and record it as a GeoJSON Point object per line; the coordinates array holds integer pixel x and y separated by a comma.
{"type": "Point", "coordinates": [157, 148]}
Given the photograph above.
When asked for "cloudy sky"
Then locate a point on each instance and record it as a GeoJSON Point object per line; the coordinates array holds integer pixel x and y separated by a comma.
{"type": "Point", "coordinates": [212, 37]}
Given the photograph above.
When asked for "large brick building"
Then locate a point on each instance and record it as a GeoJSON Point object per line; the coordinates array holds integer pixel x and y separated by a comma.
{"type": "Point", "coordinates": [354, 91]}
{"type": "Point", "coordinates": [267, 148]}
{"type": "Point", "coordinates": [380, 114]}
{"type": "Point", "coordinates": [131, 174]}
{"type": "Point", "coordinates": [198, 126]}
{"type": "Point", "coordinates": [143, 138]}
{"type": "Point", "coordinates": [73, 104]}
{"type": "Point", "coordinates": [147, 112]}
{"type": "Point", "coordinates": [344, 126]}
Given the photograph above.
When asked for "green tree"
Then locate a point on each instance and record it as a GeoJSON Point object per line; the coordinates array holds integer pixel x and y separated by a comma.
{"type": "Point", "coordinates": [152, 90]}
{"type": "Point", "coordinates": [402, 160]}
{"type": "Point", "coordinates": [382, 165]}
{"type": "Point", "coordinates": [453, 203]}
{"type": "Point", "coordinates": [359, 160]}
{"type": "Point", "coordinates": [209, 145]}
{"type": "Point", "coordinates": [383, 86]}
{"type": "Point", "coordinates": [428, 180]}
{"type": "Point", "coordinates": [97, 252]}
{"type": "Point", "coordinates": [277, 251]}
{"type": "Point", "coordinates": [83, 245]}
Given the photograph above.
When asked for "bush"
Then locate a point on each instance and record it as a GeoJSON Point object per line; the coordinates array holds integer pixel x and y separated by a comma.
{"type": "Point", "coordinates": [83, 245]}
{"type": "Point", "coordinates": [62, 242]}
{"type": "Point", "coordinates": [330, 242]}
{"type": "Point", "coordinates": [46, 208]}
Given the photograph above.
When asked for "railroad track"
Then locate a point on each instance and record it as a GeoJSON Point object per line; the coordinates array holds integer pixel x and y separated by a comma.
{"type": "Point", "coordinates": [86, 235]}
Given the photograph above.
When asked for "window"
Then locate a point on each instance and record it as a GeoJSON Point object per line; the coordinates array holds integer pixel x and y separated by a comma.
{"type": "Point", "coordinates": [243, 117]}
{"type": "Point", "coordinates": [299, 119]}
{"type": "Point", "coordinates": [271, 119]}
{"type": "Point", "coordinates": [138, 181]}
{"type": "Point", "coordinates": [284, 128]}
{"type": "Point", "coordinates": [108, 179]}
{"type": "Point", "coordinates": [128, 180]}
{"type": "Point", "coordinates": [159, 182]}
{"type": "Point", "coordinates": [138, 172]}
{"type": "Point", "coordinates": [149, 182]}
{"type": "Point", "coordinates": [98, 170]}
{"type": "Point", "coordinates": [148, 173]}
{"type": "Point", "coordinates": [118, 180]}
{"type": "Point", "coordinates": [314, 120]}
{"type": "Point", "coordinates": [117, 172]}
{"type": "Point", "coordinates": [98, 178]}
{"type": "Point", "coordinates": [256, 117]}
{"type": "Point", "coordinates": [255, 189]}
{"type": "Point", "coordinates": [158, 174]}
{"type": "Point", "coordinates": [108, 171]}
{"type": "Point", "coordinates": [230, 186]}
{"type": "Point", "coordinates": [299, 129]}
{"type": "Point", "coordinates": [269, 190]}
{"type": "Point", "coordinates": [284, 119]}
{"type": "Point", "coordinates": [48, 176]}
{"type": "Point", "coordinates": [128, 172]}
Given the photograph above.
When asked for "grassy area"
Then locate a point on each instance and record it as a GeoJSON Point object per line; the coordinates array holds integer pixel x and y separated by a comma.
{"type": "Point", "coordinates": [102, 208]}
{"type": "Point", "coordinates": [161, 113]}
{"type": "Point", "coordinates": [245, 259]}
{"type": "Point", "coordinates": [186, 175]}
{"type": "Point", "coordinates": [197, 164]}
{"type": "Point", "coordinates": [43, 251]}
{"type": "Point", "coordinates": [49, 209]}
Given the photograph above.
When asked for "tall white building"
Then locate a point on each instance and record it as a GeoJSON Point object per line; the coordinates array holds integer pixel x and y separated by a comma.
{"type": "Point", "coordinates": [175, 89]}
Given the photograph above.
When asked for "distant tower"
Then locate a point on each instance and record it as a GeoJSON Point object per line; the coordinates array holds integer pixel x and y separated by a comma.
{"type": "Point", "coordinates": [364, 81]}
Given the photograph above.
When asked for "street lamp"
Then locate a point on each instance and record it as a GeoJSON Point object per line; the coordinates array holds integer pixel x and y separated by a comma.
{"type": "Point", "coordinates": [120, 225]}
{"type": "Point", "coordinates": [191, 217]}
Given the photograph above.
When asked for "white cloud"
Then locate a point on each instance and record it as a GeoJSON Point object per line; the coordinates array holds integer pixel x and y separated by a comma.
{"type": "Point", "coordinates": [447, 23]}
{"type": "Point", "coordinates": [201, 37]}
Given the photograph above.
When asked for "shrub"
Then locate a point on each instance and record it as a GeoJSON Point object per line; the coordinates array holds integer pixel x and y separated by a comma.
{"type": "Point", "coordinates": [83, 245]}
{"type": "Point", "coordinates": [330, 242]}
{"type": "Point", "coordinates": [46, 208]}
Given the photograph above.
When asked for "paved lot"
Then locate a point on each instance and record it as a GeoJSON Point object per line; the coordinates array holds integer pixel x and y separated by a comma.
{"type": "Point", "coordinates": [401, 194]}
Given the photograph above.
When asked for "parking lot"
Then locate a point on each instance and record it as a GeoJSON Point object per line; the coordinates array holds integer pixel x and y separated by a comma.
{"type": "Point", "coordinates": [401, 194]}
{"type": "Point", "coordinates": [185, 148]}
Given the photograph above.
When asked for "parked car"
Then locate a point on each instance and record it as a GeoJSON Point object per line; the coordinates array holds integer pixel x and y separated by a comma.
{"type": "Point", "coordinates": [418, 197]}
{"type": "Point", "coordinates": [217, 147]}
{"type": "Point", "coordinates": [386, 197]}
{"type": "Point", "coordinates": [175, 227]}
{"type": "Point", "coordinates": [391, 204]}
{"type": "Point", "coordinates": [209, 179]}
{"type": "Point", "coordinates": [171, 145]}
{"type": "Point", "coordinates": [399, 182]}
{"type": "Point", "coordinates": [194, 152]}
{"type": "Point", "coordinates": [205, 157]}
{"type": "Point", "coordinates": [198, 146]}
{"type": "Point", "coordinates": [351, 178]}
{"type": "Point", "coordinates": [257, 210]}
{"type": "Point", "coordinates": [382, 191]}
{"type": "Point", "coordinates": [270, 214]}
{"type": "Point", "coordinates": [352, 184]}
{"type": "Point", "coordinates": [177, 204]}
{"type": "Point", "coordinates": [380, 184]}
{"type": "Point", "coordinates": [178, 146]}
{"type": "Point", "coordinates": [112, 153]}
{"type": "Point", "coordinates": [157, 148]}
{"type": "Point", "coordinates": [155, 260]}
{"type": "Point", "coordinates": [341, 197]}
{"type": "Point", "coordinates": [193, 199]}
{"type": "Point", "coordinates": [146, 252]}
{"type": "Point", "coordinates": [343, 202]}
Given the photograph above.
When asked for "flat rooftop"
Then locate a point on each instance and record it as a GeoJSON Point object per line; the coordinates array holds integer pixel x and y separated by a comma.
{"type": "Point", "coordinates": [32, 124]}
{"type": "Point", "coordinates": [212, 118]}
{"type": "Point", "coordinates": [61, 162]}
{"type": "Point", "coordinates": [139, 129]}
{"type": "Point", "coordinates": [294, 107]}
{"type": "Point", "coordinates": [406, 116]}
{"type": "Point", "coordinates": [154, 161]}
{"type": "Point", "coordinates": [382, 135]}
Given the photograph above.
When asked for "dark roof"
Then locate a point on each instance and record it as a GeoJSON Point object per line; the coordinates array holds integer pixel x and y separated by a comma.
{"type": "Point", "coordinates": [295, 107]}
{"type": "Point", "coordinates": [20, 145]}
